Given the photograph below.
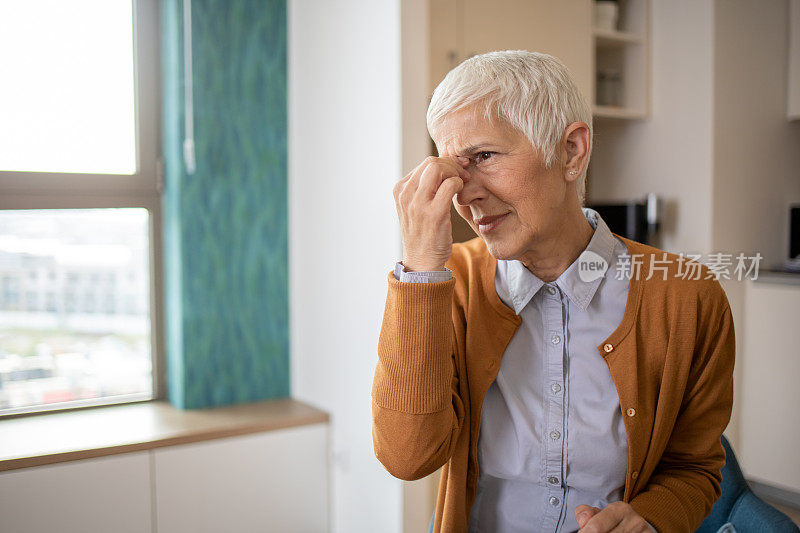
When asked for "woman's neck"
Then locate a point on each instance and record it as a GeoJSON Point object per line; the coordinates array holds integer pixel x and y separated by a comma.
{"type": "Point", "coordinates": [552, 255]}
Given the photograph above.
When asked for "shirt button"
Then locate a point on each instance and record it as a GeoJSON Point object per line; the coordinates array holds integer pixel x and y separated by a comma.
{"type": "Point", "coordinates": [553, 500]}
{"type": "Point", "coordinates": [631, 411]}
{"type": "Point", "coordinates": [555, 339]}
{"type": "Point", "coordinates": [553, 480]}
{"type": "Point", "coordinates": [555, 435]}
{"type": "Point", "coordinates": [551, 289]}
{"type": "Point", "coordinates": [607, 348]}
{"type": "Point", "coordinates": [555, 387]}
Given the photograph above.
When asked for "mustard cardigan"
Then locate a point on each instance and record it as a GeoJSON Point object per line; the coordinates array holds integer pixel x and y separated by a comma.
{"type": "Point", "coordinates": [671, 359]}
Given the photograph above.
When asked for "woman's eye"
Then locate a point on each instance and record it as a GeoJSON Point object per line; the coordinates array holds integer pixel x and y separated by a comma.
{"type": "Point", "coordinates": [483, 156]}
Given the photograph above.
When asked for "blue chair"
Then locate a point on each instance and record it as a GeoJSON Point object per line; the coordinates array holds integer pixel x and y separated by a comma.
{"type": "Point", "coordinates": [739, 506]}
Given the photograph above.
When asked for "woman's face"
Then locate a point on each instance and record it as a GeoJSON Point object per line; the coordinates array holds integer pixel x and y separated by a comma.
{"type": "Point", "coordinates": [511, 200]}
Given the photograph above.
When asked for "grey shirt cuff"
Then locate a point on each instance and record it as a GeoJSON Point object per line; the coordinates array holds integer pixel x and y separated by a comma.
{"type": "Point", "coordinates": [426, 276]}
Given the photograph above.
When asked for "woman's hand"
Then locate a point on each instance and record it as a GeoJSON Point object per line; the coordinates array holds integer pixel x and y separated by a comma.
{"type": "Point", "coordinates": [617, 516]}
{"type": "Point", "coordinates": [423, 206]}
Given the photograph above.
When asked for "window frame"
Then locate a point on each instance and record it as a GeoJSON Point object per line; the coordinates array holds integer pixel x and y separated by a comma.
{"type": "Point", "coordinates": [48, 190]}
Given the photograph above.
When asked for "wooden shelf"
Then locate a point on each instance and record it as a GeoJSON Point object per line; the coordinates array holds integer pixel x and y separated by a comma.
{"type": "Point", "coordinates": [615, 39]}
{"type": "Point", "coordinates": [604, 111]}
{"type": "Point", "coordinates": [57, 437]}
{"type": "Point", "coordinates": [623, 55]}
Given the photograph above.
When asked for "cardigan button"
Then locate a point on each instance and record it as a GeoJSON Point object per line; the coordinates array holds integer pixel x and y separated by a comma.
{"type": "Point", "coordinates": [631, 411]}
{"type": "Point", "coordinates": [634, 474]}
{"type": "Point", "coordinates": [607, 348]}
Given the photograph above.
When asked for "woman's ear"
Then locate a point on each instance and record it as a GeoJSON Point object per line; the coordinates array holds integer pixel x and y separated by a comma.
{"type": "Point", "coordinates": [577, 146]}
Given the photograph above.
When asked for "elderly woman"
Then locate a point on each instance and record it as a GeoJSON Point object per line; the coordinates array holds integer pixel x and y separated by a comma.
{"type": "Point", "coordinates": [556, 389]}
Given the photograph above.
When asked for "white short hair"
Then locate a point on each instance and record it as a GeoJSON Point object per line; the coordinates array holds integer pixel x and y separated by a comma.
{"type": "Point", "coordinates": [531, 91]}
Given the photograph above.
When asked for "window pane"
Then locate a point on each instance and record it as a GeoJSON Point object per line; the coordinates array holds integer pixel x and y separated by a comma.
{"type": "Point", "coordinates": [74, 306]}
{"type": "Point", "coordinates": [67, 95]}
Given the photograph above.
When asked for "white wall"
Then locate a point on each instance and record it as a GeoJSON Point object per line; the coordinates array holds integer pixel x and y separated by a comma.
{"type": "Point", "coordinates": [669, 154]}
{"type": "Point", "coordinates": [756, 177]}
{"type": "Point", "coordinates": [344, 157]}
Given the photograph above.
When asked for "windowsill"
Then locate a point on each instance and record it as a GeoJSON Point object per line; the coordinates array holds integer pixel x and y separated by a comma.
{"type": "Point", "coordinates": [82, 434]}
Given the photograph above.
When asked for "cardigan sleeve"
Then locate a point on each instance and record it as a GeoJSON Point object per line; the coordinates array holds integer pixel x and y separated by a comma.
{"type": "Point", "coordinates": [686, 483]}
{"type": "Point", "coordinates": [417, 412]}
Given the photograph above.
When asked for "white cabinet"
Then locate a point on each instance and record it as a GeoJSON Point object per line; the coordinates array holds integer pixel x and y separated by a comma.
{"type": "Point", "coordinates": [275, 481]}
{"type": "Point", "coordinates": [770, 426]}
{"type": "Point", "coordinates": [105, 494]}
{"type": "Point", "coordinates": [258, 482]}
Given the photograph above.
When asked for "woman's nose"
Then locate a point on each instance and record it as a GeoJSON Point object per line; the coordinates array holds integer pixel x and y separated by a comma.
{"type": "Point", "coordinates": [471, 191]}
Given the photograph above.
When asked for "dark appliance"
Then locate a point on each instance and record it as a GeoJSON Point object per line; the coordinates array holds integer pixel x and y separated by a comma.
{"type": "Point", "coordinates": [638, 220]}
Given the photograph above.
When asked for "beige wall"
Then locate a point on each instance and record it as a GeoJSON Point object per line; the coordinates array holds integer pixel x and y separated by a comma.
{"type": "Point", "coordinates": [669, 154]}
{"type": "Point", "coordinates": [756, 161]}
{"type": "Point", "coordinates": [756, 149]}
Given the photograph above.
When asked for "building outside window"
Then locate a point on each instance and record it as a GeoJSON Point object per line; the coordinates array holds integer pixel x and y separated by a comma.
{"type": "Point", "coordinates": [79, 204]}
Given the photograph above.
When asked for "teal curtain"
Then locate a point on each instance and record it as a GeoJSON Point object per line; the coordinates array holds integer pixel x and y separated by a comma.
{"type": "Point", "coordinates": [225, 225]}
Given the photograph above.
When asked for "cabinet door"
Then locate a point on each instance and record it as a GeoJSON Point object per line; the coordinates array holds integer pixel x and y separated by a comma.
{"type": "Point", "coordinates": [271, 481]}
{"type": "Point", "coordinates": [562, 28]}
{"type": "Point", "coordinates": [90, 495]}
{"type": "Point", "coordinates": [769, 364]}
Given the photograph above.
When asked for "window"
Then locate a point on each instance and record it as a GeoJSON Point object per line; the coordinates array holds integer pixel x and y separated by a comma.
{"type": "Point", "coordinates": [79, 204]}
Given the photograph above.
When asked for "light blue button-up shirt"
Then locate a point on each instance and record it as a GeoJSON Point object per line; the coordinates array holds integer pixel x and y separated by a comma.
{"type": "Point", "coordinates": [552, 435]}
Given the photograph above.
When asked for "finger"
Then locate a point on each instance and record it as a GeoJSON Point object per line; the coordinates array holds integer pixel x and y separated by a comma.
{"type": "Point", "coordinates": [447, 190]}
{"type": "Point", "coordinates": [605, 521]}
{"type": "Point", "coordinates": [410, 184]}
{"type": "Point", "coordinates": [632, 521]}
{"type": "Point", "coordinates": [462, 163]}
{"type": "Point", "coordinates": [459, 160]}
{"type": "Point", "coordinates": [415, 174]}
{"type": "Point", "coordinates": [413, 177]}
{"type": "Point", "coordinates": [583, 513]}
{"type": "Point", "coordinates": [433, 176]}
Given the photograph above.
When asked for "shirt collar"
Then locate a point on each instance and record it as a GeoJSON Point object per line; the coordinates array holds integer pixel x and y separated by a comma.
{"type": "Point", "coordinates": [522, 285]}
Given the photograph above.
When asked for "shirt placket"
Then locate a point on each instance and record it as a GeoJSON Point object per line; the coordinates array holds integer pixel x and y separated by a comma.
{"type": "Point", "coordinates": [553, 322]}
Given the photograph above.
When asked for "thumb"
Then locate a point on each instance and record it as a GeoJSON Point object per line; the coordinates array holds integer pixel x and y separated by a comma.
{"type": "Point", "coordinates": [583, 513]}
{"type": "Point", "coordinates": [449, 188]}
